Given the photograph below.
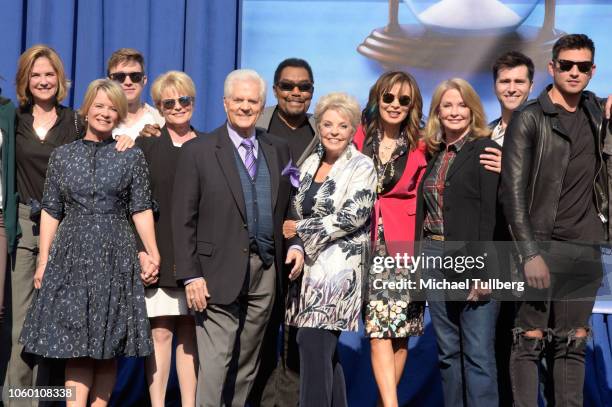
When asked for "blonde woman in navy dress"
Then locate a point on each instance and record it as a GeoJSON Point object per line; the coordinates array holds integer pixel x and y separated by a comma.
{"type": "Point", "coordinates": [89, 306]}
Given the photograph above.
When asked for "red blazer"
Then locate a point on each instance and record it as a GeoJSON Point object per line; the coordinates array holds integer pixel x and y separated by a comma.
{"type": "Point", "coordinates": [398, 206]}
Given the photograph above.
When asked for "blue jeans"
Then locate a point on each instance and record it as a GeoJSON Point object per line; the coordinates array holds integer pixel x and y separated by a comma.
{"type": "Point", "coordinates": [465, 334]}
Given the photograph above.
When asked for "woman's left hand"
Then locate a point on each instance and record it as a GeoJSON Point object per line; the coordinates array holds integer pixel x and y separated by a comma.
{"type": "Point", "coordinates": [124, 142]}
{"type": "Point", "coordinates": [289, 229]}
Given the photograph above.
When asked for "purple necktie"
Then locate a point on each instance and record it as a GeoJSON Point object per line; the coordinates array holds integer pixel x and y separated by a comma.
{"type": "Point", "coordinates": [249, 158]}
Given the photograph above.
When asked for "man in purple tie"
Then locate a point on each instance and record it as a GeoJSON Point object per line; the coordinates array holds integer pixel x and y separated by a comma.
{"type": "Point", "coordinates": [230, 202]}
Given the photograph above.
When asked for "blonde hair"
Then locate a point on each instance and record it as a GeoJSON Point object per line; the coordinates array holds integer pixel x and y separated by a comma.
{"type": "Point", "coordinates": [114, 93]}
{"type": "Point", "coordinates": [123, 55]}
{"type": "Point", "coordinates": [24, 69]}
{"type": "Point", "coordinates": [340, 102]}
{"type": "Point", "coordinates": [478, 123]}
{"type": "Point", "coordinates": [178, 80]}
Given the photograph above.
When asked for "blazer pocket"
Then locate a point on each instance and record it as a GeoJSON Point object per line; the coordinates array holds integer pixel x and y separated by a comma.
{"type": "Point", "coordinates": [205, 248]}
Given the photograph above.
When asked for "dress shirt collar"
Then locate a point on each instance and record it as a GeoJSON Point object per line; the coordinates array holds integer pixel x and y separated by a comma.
{"type": "Point", "coordinates": [237, 139]}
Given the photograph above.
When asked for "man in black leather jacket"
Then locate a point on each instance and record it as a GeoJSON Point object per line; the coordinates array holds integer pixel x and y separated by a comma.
{"type": "Point", "coordinates": [555, 198]}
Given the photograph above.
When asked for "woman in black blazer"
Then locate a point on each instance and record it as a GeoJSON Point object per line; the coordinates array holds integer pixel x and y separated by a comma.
{"type": "Point", "coordinates": [456, 211]}
{"type": "Point", "coordinates": [174, 94]}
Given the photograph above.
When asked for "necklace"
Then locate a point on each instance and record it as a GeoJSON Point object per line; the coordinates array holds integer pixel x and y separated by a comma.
{"type": "Point", "coordinates": [43, 128]}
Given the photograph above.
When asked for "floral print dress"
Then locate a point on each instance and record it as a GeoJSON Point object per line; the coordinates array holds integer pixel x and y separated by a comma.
{"type": "Point", "coordinates": [390, 313]}
{"type": "Point", "coordinates": [91, 303]}
{"type": "Point", "coordinates": [336, 239]}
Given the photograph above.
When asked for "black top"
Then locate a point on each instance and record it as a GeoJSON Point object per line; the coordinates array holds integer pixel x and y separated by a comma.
{"type": "Point", "coordinates": [162, 158]}
{"type": "Point", "coordinates": [297, 139]}
{"type": "Point", "coordinates": [389, 173]}
{"type": "Point", "coordinates": [32, 154]}
{"type": "Point", "coordinates": [576, 214]}
{"type": "Point", "coordinates": [309, 199]}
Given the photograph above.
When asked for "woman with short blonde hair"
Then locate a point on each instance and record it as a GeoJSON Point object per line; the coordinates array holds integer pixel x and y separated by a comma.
{"type": "Point", "coordinates": [174, 96]}
{"type": "Point", "coordinates": [90, 306]}
{"type": "Point", "coordinates": [331, 213]}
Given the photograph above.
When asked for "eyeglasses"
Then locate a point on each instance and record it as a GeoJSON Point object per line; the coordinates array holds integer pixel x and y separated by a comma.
{"type": "Point", "coordinates": [567, 65]}
{"type": "Point", "coordinates": [135, 77]}
{"type": "Point", "coordinates": [184, 101]}
{"type": "Point", "coordinates": [404, 100]}
{"type": "Point", "coordinates": [288, 86]}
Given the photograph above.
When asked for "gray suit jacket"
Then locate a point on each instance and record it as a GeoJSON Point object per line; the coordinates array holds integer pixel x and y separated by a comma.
{"type": "Point", "coordinates": [264, 123]}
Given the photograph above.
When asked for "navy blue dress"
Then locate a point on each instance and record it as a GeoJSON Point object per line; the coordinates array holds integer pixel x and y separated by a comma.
{"type": "Point", "coordinates": [91, 303]}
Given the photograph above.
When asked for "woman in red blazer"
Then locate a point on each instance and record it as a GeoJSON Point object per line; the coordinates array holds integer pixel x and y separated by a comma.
{"type": "Point", "coordinates": [390, 135]}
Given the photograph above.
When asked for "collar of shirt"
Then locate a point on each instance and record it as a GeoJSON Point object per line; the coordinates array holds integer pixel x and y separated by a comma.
{"type": "Point", "coordinates": [498, 133]}
{"type": "Point", "coordinates": [237, 139]}
{"type": "Point", "coordinates": [456, 146]}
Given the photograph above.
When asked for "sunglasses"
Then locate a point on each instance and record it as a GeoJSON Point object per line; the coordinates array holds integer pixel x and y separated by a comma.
{"type": "Point", "coordinates": [184, 101]}
{"type": "Point", "coordinates": [566, 65]}
{"type": "Point", "coordinates": [287, 86]}
{"type": "Point", "coordinates": [403, 100]}
{"type": "Point", "coordinates": [135, 77]}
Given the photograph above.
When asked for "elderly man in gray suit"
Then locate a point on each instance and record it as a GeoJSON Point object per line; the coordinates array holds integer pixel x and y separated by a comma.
{"type": "Point", "coordinates": [231, 198]}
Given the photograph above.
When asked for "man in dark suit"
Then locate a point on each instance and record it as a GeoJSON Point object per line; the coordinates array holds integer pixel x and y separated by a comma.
{"type": "Point", "coordinates": [230, 202]}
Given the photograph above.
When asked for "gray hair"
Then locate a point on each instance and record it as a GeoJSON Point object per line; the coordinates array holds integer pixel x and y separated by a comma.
{"type": "Point", "coordinates": [342, 103]}
{"type": "Point", "coordinates": [244, 75]}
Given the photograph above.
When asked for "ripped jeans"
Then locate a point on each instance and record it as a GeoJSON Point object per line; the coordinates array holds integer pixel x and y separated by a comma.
{"type": "Point", "coordinates": [576, 273]}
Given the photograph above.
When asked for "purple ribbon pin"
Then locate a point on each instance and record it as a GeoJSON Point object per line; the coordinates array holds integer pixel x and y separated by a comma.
{"type": "Point", "coordinates": [293, 172]}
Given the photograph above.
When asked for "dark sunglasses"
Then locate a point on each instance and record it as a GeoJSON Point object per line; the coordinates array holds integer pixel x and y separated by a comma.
{"type": "Point", "coordinates": [566, 65]}
{"type": "Point", "coordinates": [183, 101]}
{"type": "Point", "coordinates": [135, 77]}
{"type": "Point", "coordinates": [287, 86]}
{"type": "Point", "coordinates": [403, 100]}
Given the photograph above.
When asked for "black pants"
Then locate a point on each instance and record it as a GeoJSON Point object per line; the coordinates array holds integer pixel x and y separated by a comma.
{"type": "Point", "coordinates": [321, 376]}
{"type": "Point", "coordinates": [576, 273]}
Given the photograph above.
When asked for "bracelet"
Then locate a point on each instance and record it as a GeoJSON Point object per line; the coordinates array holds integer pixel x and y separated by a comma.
{"type": "Point", "coordinates": [531, 257]}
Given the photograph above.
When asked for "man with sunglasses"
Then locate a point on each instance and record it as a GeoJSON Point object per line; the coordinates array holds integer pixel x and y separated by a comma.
{"type": "Point", "coordinates": [555, 198]}
{"type": "Point", "coordinates": [126, 66]}
{"type": "Point", "coordinates": [289, 119]}
{"type": "Point", "coordinates": [278, 380]}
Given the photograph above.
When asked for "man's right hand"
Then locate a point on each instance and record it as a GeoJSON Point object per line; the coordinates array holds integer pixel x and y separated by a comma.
{"type": "Point", "coordinates": [537, 273]}
{"type": "Point", "coordinates": [196, 293]}
{"type": "Point", "coordinates": [150, 130]}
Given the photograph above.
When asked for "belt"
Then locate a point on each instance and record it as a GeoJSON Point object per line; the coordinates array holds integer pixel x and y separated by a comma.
{"type": "Point", "coordinates": [439, 238]}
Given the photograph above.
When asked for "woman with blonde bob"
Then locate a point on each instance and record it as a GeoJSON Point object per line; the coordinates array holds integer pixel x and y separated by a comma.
{"type": "Point", "coordinates": [332, 210]}
{"type": "Point", "coordinates": [456, 215]}
{"type": "Point", "coordinates": [174, 95]}
{"type": "Point", "coordinates": [89, 308]}
{"type": "Point", "coordinates": [42, 124]}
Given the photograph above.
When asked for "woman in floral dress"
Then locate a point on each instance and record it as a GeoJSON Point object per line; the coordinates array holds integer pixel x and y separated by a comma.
{"type": "Point", "coordinates": [390, 134]}
{"type": "Point", "coordinates": [333, 207]}
{"type": "Point", "coordinates": [89, 306]}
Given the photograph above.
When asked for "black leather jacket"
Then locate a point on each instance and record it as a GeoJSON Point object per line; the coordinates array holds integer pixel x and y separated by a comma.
{"type": "Point", "coordinates": [536, 156]}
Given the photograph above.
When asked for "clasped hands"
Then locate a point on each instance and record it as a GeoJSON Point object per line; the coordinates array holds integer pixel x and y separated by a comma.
{"type": "Point", "coordinates": [149, 268]}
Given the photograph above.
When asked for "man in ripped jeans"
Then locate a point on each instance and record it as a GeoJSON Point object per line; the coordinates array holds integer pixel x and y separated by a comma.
{"type": "Point", "coordinates": [555, 198]}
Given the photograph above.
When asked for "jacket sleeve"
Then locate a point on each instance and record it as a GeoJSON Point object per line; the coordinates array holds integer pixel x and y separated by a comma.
{"type": "Point", "coordinates": [520, 146]}
{"type": "Point", "coordinates": [351, 214]}
{"type": "Point", "coordinates": [185, 205]}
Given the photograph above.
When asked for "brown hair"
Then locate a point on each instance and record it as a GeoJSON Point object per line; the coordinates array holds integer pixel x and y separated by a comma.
{"type": "Point", "coordinates": [24, 69]}
{"type": "Point", "coordinates": [412, 124]}
{"type": "Point", "coordinates": [123, 55]}
{"type": "Point", "coordinates": [478, 122]}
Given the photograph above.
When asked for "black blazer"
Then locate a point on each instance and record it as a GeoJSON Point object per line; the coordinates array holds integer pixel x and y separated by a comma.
{"type": "Point", "coordinates": [211, 238]}
{"type": "Point", "coordinates": [470, 196]}
{"type": "Point", "coordinates": [162, 157]}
